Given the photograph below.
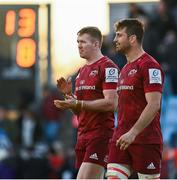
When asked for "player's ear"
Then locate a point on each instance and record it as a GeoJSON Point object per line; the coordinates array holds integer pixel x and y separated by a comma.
{"type": "Point", "coordinates": [132, 38]}
{"type": "Point", "coordinates": [97, 44]}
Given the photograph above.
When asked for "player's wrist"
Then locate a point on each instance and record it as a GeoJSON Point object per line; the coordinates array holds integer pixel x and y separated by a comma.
{"type": "Point", "coordinates": [134, 132]}
{"type": "Point", "coordinates": [82, 105]}
{"type": "Point", "coordinates": [79, 104]}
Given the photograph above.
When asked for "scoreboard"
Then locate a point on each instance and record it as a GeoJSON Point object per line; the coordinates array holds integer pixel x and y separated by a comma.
{"type": "Point", "coordinates": [18, 51]}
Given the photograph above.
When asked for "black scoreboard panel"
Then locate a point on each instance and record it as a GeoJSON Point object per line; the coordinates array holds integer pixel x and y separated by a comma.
{"type": "Point", "coordinates": [18, 51]}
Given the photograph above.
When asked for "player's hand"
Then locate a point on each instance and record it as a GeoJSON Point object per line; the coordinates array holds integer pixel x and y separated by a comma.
{"type": "Point", "coordinates": [65, 86]}
{"type": "Point", "coordinates": [66, 104]}
{"type": "Point", "coordinates": [125, 140]}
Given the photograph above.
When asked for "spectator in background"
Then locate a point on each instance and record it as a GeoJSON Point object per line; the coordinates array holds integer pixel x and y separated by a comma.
{"type": "Point", "coordinates": [74, 127]}
{"type": "Point", "coordinates": [136, 12]}
{"type": "Point", "coordinates": [151, 38]}
{"type": "Point", "coordinates": [30, 128]}
{"type": "Point", "coordinates": [167, 52]}
{"type": "Point", "coordinates": [67, 170]}
{"type": "Point", "coordinates": [51, 115]}
{"type": "Point", "coordinates": [56, 159]}
{"type": "Point", "coordinates": [163, 24]}
{"type": "Point", "coordinates": [161, 20]}
{"type": "Point", "coordinates": [34, 163]}
{"type": "Point", "coordinates": [8, 164]}
{"type": "Point", "coordinates": [8, 117]}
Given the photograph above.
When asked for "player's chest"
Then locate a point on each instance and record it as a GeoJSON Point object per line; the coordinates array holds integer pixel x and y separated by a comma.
{"type": "Point", "coordinates": [130, 78]}
{"type": "Point", "coordinates": [88, 78]}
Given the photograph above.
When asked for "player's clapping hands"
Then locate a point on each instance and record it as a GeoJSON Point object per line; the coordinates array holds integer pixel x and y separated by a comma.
{"type": "Point", "coordinates": [68, 103]}
{"type": "Point", "coordinates": [65, 86]}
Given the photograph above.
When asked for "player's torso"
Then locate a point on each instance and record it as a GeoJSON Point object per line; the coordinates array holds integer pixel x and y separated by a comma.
{"type": "Point", "coordinates": [131, 93]}
{"type": "Point", "coordinates": [88, 83]}
{"type": "Point", "coordinates": [132, 86]}
{"type": "Point", "coordinates": [89, 86]}
{"type": "Point", "coordinates": [129, 80]}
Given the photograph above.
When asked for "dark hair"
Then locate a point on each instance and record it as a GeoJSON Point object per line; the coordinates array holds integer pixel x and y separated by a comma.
{"type": "Point", "coordinates": [133, 27]}
{"type": "Point", "coordinates": [94, 32]}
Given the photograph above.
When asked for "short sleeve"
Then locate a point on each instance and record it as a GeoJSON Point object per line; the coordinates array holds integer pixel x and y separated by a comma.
{"type": "Point", "coordinates": [109, 75]}
{"type": "Point", "coordinates": [153, 77]}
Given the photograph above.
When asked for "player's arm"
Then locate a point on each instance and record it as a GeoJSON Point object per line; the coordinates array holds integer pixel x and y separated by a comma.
{"type": "Point", "coordinates": [109, 83]}
{"type": "Point", "coordinates": [153, 105]}
{"type": "Point", "coordinates": [153, 98]}
{"type": "Point", "coordinates": [70, 102]}
{"type": "Point", "coordinates": [108, 103]}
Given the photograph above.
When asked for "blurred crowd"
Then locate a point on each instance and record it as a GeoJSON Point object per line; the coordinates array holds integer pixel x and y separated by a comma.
{"type": "Point", "coordinates": [33, 141]}
{"type": "Point", "coordinates": [37, 140]}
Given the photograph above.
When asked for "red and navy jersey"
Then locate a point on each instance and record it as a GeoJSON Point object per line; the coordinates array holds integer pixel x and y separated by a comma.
{"type": "Point", "coordinates": [90, 83]}
{"type": "Point", "coordinates": [135, 79]}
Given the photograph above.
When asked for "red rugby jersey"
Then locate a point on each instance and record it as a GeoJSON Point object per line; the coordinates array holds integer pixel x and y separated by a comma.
{"type": "Point", "coordinates": [137, 78]}
{"type": "Point", "coordinates": [90, 83]}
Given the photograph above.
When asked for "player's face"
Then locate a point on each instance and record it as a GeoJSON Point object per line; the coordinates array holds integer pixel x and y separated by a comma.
{"type": "Point", "coordinates": [86, 45]}
{"type": "Point", "coordinates": [122, 41]}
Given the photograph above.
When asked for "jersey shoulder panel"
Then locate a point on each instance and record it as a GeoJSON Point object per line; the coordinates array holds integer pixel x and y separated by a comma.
{"type": "Point", "coordinates": [148, 61]}
{"type": "Point", "coordinates": [106, 62]}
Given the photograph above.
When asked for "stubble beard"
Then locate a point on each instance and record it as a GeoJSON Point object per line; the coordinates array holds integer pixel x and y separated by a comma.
{"type": "Point", "coordinates": [123, 50]}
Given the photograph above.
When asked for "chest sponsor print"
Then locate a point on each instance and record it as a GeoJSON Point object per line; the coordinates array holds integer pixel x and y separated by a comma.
{"type": "Point", "coordinates": [79, 88]}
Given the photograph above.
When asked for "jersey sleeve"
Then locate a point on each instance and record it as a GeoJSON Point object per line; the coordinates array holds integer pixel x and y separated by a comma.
{"type": "Point", "coordinates": [153, 77]}
{"type": "Point", "coordinates": [109, 74]}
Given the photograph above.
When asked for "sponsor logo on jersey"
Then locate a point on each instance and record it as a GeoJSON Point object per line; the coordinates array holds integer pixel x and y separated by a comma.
{"type": "Point", "coordinates": [124, 87]}
{"type": "Point", "coordinates": [155, 76]}
{"type": "Point", "coordinates": [132, 72]}
{"type": "Point", "coordinates": [151, 166]}
{"type": "Point", "coordinates": [111, 75]}
{"type": "Point", "coordinates": [93, 73]}
{"type": "Point", "coordinates": [94, 156]}
{"type": "Point", "coordinates": [85, 88]}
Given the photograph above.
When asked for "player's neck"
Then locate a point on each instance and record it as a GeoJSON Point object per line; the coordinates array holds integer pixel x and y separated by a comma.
{"type": "Point", "coordinates": [134, 54]}
{"type": "Point", "coordinates": [94, 57]}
